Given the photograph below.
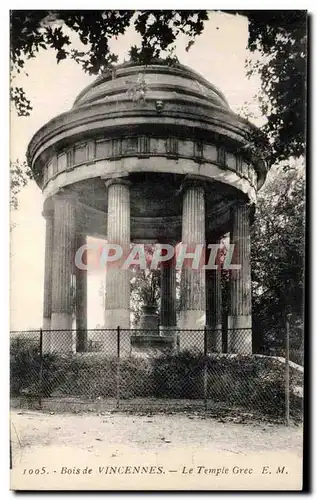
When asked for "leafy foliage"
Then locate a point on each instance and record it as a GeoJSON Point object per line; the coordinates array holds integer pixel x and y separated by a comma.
{"type": "Point", "coordinates": [280, 37]}
{"type": "Point", "coordinates": [25, 362]}
{"type": "Point", "coordinates": [20, 173]}
{"type": "Point", "coordinates": [33, 30]}
{"type": "Point", "coordinates": [145, 286]}
{"type": "Point", "coordinates": [277, 252]}
{"type": "Point", "coordinates": [160, 29]}
{"type": "Point", "coordinates": [242, 382]}
{"type": "Point", "coordinates": [97, 377]}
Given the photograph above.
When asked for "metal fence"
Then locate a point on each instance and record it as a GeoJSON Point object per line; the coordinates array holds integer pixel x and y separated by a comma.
{"type": "Point", "coordinates": [138, 370]}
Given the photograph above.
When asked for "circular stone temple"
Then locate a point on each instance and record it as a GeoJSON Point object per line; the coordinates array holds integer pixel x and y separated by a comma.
{"type": "Point", "coordinates": [148, 154]}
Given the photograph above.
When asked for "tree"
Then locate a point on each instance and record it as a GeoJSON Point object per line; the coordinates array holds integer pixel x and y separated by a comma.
{"type": "Point", "coordinates": [146, 287]}
{"type": "Point", "coordinates": [145, 291]}
{"type": "Point", "coordinates": [280, 38]}
{"type": "Point", "coordinates": [20, 173]}
{"type": "Point", "coordinates": [32, 30]}
{"type": "Point", "coordinates": [277, 250]}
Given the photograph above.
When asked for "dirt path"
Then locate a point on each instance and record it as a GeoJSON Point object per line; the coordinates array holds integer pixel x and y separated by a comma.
{"type": "Point", "coordinates": [112, 438]}
{"type": "Point", "coordinates": [147, 433]}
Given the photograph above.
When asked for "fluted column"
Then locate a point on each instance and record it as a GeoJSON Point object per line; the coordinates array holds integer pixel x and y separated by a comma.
{"type": "Point", "coordinates": [193, 299]}
{"type": "Point", "coordinates": [117, 303]}
{"type": "Point", "coordinates": [240, 319]}
{"type": "Point", "coordinates": [214, 305]}
{"type": "Point", "coordinates": [81, 302]}
{"type": "Point", "coordinates": [63, 270]}
{"type": "Point", "coordinates": [168, 298]}
{"type": "Point", "coordinates": [47, 299]}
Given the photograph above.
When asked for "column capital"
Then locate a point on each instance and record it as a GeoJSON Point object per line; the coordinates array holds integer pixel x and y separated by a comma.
{"type": "Point", "coordinates": [192, 181]}
{"type": "Point", "coordinates": [65, 195]}
{"type": "Point", "coordinates": [123, 180]}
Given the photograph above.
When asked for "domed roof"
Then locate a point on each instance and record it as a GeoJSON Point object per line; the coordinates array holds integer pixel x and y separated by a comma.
{"type": "Point", "coordinates": [151, 82]}
{"type": "Point", "coordinates": [157, 100]}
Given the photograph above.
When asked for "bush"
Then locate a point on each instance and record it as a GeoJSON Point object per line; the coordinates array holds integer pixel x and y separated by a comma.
{"type": "Point", "coordinates": [25, 370]}
{"type": "Point", "coordinates": [178, 375]}
{"type": "Point", "coordinates": [96, 377]}
{"type": "Point", "coordinates": [246, 382]}
{"type": "Point", "coordinates": [249, 382]}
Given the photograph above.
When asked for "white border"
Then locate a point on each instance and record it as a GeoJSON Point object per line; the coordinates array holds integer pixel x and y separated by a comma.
{"type": "Point", "coordinates": [118, 4]}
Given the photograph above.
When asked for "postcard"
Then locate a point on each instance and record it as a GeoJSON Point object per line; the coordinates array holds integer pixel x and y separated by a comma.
{"type": "Point", "coordinates": [157, 250]}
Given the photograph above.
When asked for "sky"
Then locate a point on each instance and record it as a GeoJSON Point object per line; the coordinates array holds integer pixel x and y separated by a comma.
{"type": "Point", "coordinates": [218, 54]}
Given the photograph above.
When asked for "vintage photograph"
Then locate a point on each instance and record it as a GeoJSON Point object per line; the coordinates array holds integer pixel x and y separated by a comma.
{"type": "Point", "coordinates": [157, 171]}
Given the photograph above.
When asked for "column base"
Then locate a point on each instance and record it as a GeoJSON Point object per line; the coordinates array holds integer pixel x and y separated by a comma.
{"type": "Point", "coordinates": [240, 334]}
{"type": "Point", "coordinates": [104, 341]}
{"type": "Point", "coordinates": [81, 339]}
{"type": "Point", "coordinates": [214, 338]}
{"type": "Point", "coordinates": [63, 341]}
{"type": "Point", "coordinates": [192, 320]}
{"type": "Point", "coordinates": [107, 342]}
{"type": "Point", "coordinates": [167, 331]}
{"type": "Point", "coordinates": [46, 335]}
{"type": "Point", "coordinates": [149, 319]}
{"type": "Point", "coordinates": [117, 317]}
{"type": "Point", "coordinates": [46, 323]}
{"type": "Point", "coordinates": [113, 319]}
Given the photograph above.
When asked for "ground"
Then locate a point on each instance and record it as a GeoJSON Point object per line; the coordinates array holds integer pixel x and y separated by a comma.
{"type": "Point", "coordinates": [113, 438]}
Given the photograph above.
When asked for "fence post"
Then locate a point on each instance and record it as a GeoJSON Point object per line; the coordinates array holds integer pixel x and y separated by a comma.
{"type": "Point", "coordinates": [287, 384]}
{"type": "Point", "coordinates": [205, 368]}
{"type": "Point", "coordinates": [118, 366]}
{"type": "Point", "coordinates": [41, 369]}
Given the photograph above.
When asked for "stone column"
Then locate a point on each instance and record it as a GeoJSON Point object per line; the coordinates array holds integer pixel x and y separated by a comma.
{"type": "Point", "coordinates": [240, 320]}
{"type": "Point", "coordinates": [117, 303]}
{"type": "Point", "coordinates": [81, 302]}
{"type": "Point", "coordinates": [47, 299]}
{"type": "Point", "coordinates": [214, 305]}
{"type": "Point", "coordinates": [193, 299]}
{"type": "Point", "coordinates": [168, 298]}
{"type": "Point", "coordinates": [63, 270]}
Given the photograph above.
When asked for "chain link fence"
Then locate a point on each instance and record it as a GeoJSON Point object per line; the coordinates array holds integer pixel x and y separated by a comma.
{"type": "Point", "coordinates": [138, 370]}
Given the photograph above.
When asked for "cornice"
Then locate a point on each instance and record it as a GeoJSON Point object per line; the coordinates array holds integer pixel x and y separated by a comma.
{"type": "Point", "coordinates": [53, 132]}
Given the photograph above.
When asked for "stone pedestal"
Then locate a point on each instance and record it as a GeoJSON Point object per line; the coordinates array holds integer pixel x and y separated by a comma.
{"type": "Point", "coordinates": [149, 319]}
{"type": "Point", "coordinates": [240, 319]}
{"type": "Point", "coordinates": [193, 301]}
{"type": "Point", "coordinates": [63, 275]}
{"type": "Point", "coordinates": [81, 302]}
{"type": "Point", "coordinates": [47, 301]}
{"type": "Point", "coordinates": [117, 303]}
{"type": "Point", "coordinates": [168, 298]}
{"type": "Point", "coordinates": [214, 306]}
